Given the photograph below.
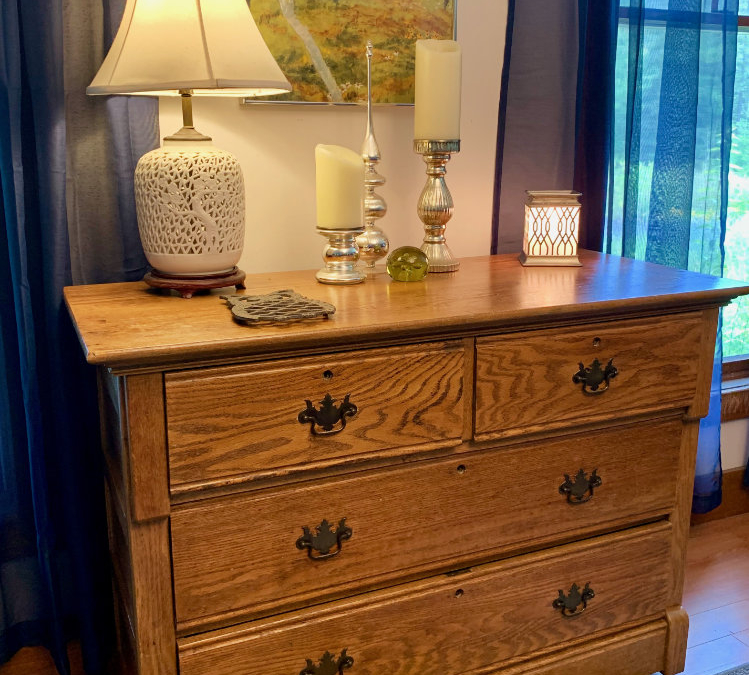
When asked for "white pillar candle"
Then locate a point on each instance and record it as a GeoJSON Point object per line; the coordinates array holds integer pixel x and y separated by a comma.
{"type": "Point", "coordinates": [339, 178]}
{"type": "Point", "coordinates": [437, 91]}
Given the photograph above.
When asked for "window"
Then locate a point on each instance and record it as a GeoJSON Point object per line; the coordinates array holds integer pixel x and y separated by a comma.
{"type": "Point", "coordinates": [736, 266]}
{"type": "Point", "coordinates": [736, 263]}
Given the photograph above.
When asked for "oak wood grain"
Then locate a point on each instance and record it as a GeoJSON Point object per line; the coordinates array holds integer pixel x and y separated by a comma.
{"type": "Point", "coordinates": [469, 379]}
{"type": "Point", "coordinates": [678, 628]}
{"type": "Point", "coordinates": [705, 358]}
{"type": "Point", "coordinates": [127, 325]}
{"type": "Point", "coordinates": [455, 624]}
{"type": "Point", "coordinates": [137, 511]}
{"type": "Point", "coordinates": [113, 434]}
{"type": "Point", "coordinates": [242, 422]}
{"type": "Point", "coordinates": [241, 490]}
{"type": "Point", "coordinates": [735, 399]}
{"type": "Point", "coordinates": [427, 515]}
{"type": "Point", "coordinates": [147, 449]}
{"type": "Point", "coordinates": [119, 551]}
{"type": "Point", "coordinates": [524, 381]}
{"type": "Point", "coordinates": [638, 650]}
{"type": "Point", "coordinates": [154, 613]}
{"type": "Point", "coordinates": [680, 516]}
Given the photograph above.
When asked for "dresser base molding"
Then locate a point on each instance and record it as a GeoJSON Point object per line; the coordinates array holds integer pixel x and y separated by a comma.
{"type": "Point", "coordinates": [676, 646]}
{"type": "Point", "coordinates": [635, 650]}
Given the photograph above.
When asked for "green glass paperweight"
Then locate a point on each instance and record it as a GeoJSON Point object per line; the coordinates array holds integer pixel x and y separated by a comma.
{"type": "Point", "coordinates": [407, 263]}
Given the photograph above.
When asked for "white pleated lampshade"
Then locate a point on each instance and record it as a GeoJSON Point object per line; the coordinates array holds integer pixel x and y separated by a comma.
{"type": "Point", "coordinates": [211, 47]}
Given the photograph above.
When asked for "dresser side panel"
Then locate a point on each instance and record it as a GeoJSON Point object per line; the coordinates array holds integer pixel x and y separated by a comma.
{"type": "Point", "coordinates": [148, 526]}
{"type": "Point", "coordinates": [147, 451]}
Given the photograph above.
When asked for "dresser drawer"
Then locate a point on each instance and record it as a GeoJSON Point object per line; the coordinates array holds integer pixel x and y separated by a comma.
{"type": "Point", "coordinates": [533, 381]}
{"type": "Point", "coordinates": [236, 423]}
{"type": "Point", "coordinates": [238, 556]}
{"type": "Point", "coordinates": [455, 625]}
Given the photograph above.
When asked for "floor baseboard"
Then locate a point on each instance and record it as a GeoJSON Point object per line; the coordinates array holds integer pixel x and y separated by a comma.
{"type": "Point", "coordinates": [735, 498]}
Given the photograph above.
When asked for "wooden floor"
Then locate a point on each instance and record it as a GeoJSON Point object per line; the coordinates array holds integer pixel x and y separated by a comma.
{"type": "Point", "coordinates": [716, 595]}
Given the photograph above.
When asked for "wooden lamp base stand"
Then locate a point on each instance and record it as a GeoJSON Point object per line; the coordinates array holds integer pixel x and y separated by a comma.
{"type": "Point", "coordinates": [187, 285]}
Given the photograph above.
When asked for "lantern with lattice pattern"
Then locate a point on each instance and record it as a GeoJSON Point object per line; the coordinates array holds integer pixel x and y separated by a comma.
{"type": "Point", "coordinates": [552, 222]}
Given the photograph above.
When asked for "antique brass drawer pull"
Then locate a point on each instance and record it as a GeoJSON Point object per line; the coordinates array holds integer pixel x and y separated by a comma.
{"type": "Point", "coordinates": [328, 416]}
{"type": "Point", "coordinates": [324, 539]}
{"type": "Point", "coordinates": [574, 603]}
{"type": "Point", "coordinates": [594, 376]}
{"type": "Point", "coordinates": [580, 490]}
{"type": "Point", "coordinates": [329, 665]}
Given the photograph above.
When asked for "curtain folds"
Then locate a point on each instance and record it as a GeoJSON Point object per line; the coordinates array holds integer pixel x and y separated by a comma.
{"type": "Point", "coordinates": [667, 172]}
{"type": "Point", "coordinates": [536, 129]}
{"type": "Point", "coordinates": [652, 137]}
{"type": "Point", "coordinates": [66, 216]}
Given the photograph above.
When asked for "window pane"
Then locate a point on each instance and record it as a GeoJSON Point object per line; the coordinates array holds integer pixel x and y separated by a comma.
{"type": "Point", "coordinates": [736, 315]}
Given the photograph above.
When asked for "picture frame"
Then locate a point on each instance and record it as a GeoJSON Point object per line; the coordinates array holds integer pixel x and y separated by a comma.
{"type": "Point", "coordinates": [320, 46]}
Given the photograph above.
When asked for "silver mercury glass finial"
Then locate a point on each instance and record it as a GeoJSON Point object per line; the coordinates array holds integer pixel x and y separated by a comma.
{"type": "Point", "coordinates": [372, 243]}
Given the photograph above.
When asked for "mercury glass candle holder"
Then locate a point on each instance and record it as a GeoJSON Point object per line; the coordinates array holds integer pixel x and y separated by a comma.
{"type": "Point", "coordinates": [341, 255]}
{"type": "Point", "coordinates": [435, 205]}
{"type": "Point", "coordinates": [373, 243]}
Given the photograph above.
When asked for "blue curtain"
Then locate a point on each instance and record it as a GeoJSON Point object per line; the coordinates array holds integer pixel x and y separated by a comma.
{"type": "Point", "coordinates": [667, 144]}
{"type": "Point", "coordinates": [536, 126]}
{"type": "Point", "coordinates": [54, 570]}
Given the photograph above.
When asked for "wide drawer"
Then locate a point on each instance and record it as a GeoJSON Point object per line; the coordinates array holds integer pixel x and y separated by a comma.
{"type": "Point", "coordinates": [460, 624]}
{"type": "Point", "coordinates": [249, 556]}
{"type": "Point", "coordinates": [533, 381]}
{"type": "Point", "coordinates": [235, 423]}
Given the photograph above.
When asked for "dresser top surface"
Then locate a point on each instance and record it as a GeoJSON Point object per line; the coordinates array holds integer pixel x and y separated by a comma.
{"type": "Point", "coordinates": [129, 325]}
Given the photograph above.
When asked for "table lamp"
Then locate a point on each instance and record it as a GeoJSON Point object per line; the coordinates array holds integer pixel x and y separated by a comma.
{"type": "Point", "coordinates": [189, 194]}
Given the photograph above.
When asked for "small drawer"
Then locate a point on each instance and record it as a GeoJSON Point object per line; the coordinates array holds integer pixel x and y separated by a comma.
{"type": "Point", "coordinates": [548, 379]}
{"type": "Point", "coordinates": [251, 555]}
{"type": "Point", "coordinates": [238, 423]}
{"type": "Point", "coordinates": [450, 625]}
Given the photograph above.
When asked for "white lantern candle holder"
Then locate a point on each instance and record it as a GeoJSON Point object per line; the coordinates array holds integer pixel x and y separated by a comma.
{"type": "Point", "coordinates": [552, 225]}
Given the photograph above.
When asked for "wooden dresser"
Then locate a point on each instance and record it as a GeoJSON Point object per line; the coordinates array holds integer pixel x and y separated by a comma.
{"type": "Point", "coordinates": [484, 472]}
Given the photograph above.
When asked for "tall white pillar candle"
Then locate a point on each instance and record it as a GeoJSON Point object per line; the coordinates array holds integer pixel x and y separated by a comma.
{"type": "Point", "coordinates": [339, 178]}
{"type": "Point", "coordinates": [437, 91]}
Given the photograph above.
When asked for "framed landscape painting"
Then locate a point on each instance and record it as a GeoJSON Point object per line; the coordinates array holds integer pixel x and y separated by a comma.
{"type": "Point", "coordinates": [321, 45]}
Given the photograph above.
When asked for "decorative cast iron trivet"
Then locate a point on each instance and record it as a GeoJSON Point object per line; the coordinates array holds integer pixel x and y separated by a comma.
{"type": "Point", "coordinates": [283, 305]}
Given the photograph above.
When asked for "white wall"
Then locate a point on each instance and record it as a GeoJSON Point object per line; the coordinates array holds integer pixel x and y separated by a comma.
{"type": "Point", "coordinates": [275, 146]}
{"type": "Point", "coordinates": [734, 444]}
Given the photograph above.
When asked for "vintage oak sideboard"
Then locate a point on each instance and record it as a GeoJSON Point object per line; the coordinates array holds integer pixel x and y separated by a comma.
{"type": "Point", "coordinates": [488, 471]}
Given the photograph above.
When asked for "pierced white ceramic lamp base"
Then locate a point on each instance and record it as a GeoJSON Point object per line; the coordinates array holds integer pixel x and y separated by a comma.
{"type": "Point", "coordinates": [190, 202]}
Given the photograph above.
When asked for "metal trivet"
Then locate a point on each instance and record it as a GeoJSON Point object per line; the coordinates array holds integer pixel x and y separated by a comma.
{"type": "Point", "coordinates": [283, 305]}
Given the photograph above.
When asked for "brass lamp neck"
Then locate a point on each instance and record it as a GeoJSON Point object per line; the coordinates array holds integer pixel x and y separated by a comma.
{"type": "Point", "coordinates": [186, 96]}
{"type": "Point", "coordinates": [188, 131]}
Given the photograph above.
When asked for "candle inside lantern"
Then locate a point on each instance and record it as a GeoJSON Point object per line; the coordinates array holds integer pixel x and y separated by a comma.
{"type": "Point", "coordinates": [339, 178]}
{"type": "Point", "coordinates": [437, 90]}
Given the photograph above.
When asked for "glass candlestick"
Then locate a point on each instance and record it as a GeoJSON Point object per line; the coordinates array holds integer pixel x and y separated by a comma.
{"type": "Point", "coordinates": [373, 243]}
{"type": "Point", "coordinates": [340, 255]}
{"type": "Point", "coordinates": [435, 205]}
